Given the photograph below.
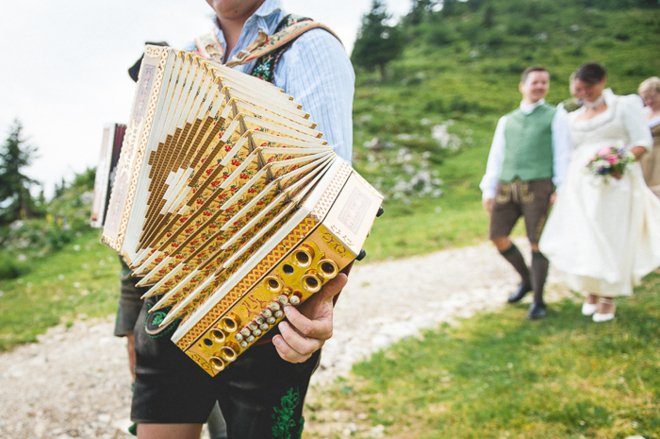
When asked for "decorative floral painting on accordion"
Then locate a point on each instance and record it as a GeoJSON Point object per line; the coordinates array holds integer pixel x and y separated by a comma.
{"type": "Point", "coordinates": [228, 204]}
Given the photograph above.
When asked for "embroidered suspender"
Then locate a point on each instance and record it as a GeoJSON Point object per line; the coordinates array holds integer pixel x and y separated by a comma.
{"type": "Point", "coordinates": [266, 49]}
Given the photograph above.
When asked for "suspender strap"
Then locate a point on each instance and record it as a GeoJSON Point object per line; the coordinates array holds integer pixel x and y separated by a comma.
{"type": "Point", "coordinates": [265, 44]}
{"type": "Point", "coordinates": [209, 47]}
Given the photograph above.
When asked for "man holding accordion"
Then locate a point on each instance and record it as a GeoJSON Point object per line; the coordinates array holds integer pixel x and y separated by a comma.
{"type": "Point", "coordinates": [262, 393]}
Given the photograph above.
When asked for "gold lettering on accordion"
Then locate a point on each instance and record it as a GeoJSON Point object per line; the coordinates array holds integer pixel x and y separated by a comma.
{"type": "Point", "coordinates": [329, 238]}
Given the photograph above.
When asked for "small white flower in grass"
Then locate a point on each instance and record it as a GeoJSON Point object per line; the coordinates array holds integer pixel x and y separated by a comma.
{"type": "Point", "coordinates": [60, 277]}
{"type": "Point", "coordinates": [76, 285]}
{"type": "Point", "coordinates": [371, 144]}
{"type": "Point", "coordinates": [365, 117]}
{"type": "Point", "coordinates": [445, 140]}
{"type": "Point", "coordinates": [405, 137]}
{"type": "Point", "coordinates": [16, 225]}
{"type": "Point", "coordinates": [76, 248]}
{"type": "Point", "coordinates": [2, 293]}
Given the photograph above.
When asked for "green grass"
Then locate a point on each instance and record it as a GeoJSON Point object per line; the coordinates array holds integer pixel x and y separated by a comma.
{"type": "Point", "coordinates": [80, 280]}
{"type": "Point", "coordinates": [499, 375]}
{"type": "Point", "coordinates": [455, 219]}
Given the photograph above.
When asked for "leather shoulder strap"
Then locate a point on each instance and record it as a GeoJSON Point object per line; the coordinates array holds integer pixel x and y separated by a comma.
{"type": "Point", "coordinates": [265, 44]}
{"type": "Point", "coordinates": [208, 46]}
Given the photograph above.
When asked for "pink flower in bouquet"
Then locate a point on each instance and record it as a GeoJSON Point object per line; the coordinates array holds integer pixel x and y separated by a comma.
{"type": "Point", "coordinates": [610, 161]}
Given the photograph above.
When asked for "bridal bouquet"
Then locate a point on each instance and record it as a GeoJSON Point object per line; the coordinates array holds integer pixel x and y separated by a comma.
{"type": "Point", "coordinates": [610, 161]}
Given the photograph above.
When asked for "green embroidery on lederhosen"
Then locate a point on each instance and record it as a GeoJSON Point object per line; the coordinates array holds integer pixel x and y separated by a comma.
{"type": "Point", "coordinates": [283, 422]}
{"type": "Point", "coordinates": [153, 320]}
{"type": "Point", "coordinates": [265, 66]}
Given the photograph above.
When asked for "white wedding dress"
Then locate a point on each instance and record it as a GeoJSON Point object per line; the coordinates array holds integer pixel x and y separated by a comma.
{"type": "Point", "coordinates": [603, 234]}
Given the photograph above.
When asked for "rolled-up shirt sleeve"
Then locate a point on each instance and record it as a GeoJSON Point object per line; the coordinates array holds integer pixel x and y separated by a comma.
{"type": "Point", "coordinates": [317, 72]}
{"type": "Point", "coordinates": [489, 181]}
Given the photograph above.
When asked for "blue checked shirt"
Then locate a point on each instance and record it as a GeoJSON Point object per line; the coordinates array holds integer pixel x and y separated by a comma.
{"type": "Point", "coordinates": [315, 70]}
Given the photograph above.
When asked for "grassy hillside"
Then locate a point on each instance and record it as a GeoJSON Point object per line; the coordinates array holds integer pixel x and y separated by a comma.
{"type": "Point", "coordinates": [456, 77]}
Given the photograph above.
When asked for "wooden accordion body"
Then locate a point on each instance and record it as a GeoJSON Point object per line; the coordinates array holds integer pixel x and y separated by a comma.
{"type": "Point", "coordinates": [228, 204]}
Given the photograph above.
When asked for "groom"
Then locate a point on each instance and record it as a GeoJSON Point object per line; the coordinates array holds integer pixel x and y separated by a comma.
{"type": "Point", "coordinates": [527, 163]}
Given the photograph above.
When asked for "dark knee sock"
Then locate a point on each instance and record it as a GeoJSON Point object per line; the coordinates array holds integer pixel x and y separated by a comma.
{"type": "Point", "coordinates": [539, 273]}
{"type": "Point", "coordinates": [515, 258]}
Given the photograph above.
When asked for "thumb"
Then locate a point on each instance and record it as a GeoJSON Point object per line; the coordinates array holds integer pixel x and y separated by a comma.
{"type": "Point", "coordinates": [333, 287]}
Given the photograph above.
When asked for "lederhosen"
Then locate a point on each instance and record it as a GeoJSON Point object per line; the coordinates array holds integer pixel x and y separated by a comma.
{"type": "Point", "coordinates": [529, 199]}
{"type": "Point", "coordinates": [260, 394]}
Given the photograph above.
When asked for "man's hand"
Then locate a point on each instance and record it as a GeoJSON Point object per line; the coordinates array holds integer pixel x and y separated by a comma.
{"type": "Point", "coordinates": [488, 204]}
{"type": "Point", "coordinates": [308, 326]}
{"type": "Point", "coordinates": [130, 349]}
{"type": "Point", "coordinates": [553, 198]}
{"type": "Point", "coordinates": [638, 151]}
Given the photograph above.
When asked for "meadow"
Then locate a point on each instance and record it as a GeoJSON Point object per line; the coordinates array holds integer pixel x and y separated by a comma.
{"type": "Point", "coordinates": [422, 136]}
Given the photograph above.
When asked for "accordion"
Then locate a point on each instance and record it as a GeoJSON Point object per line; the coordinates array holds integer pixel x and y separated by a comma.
{"type": "Point", "coordinates": [228, 204]}
{"type": "Point", "coordinates": [113, 136]}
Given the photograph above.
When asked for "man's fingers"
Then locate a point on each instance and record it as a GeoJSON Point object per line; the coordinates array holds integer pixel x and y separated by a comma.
{"type": "Point", "coordinates": [307, 328]}
{"type": "Point", "coordinates": [315, 327]}
{"type": "Point", "coordinates": [286, 352]}
{"type": "Point", "coordinates": [333, 287]}
{"type": "Point", "coordinates": [298, 342]}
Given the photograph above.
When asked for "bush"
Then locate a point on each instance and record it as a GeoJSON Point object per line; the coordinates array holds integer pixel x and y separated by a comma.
{"type": "Point", "coordinates": [438, 34]}
{"type": "Point", "coordinates": [521, 27]}
{"type": "Point", "coordinates": [11, 268]}
{"type": "Point", "coordinates": [435, 105]}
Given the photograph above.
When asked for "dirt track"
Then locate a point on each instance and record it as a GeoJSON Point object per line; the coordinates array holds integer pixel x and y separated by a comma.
{"type": "Point", "coordinates": [75, 382]}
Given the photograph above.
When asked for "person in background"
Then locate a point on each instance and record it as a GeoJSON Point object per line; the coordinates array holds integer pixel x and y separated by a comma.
{"type": "Point", "coordinates": [604, 231]}
{"type": "Point", "coordinates": [527, 162]}
{"type": "Point", "coordinates": [649, 90]}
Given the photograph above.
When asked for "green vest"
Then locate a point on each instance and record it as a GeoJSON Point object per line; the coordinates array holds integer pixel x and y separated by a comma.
{"type": "Point", "coordinates": [528, 144]}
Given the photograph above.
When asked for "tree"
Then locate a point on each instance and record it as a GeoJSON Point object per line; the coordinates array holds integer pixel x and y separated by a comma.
{"type": "Point", "coordinates": [377, 42]}
{"type": "Point", "coordinates": [489, 17]}
{"type": "Point", "coordinates": [449, 7]}
{"type": "Point", "coordinates": [59, 188]}
{"type": "Point", "coordinates": [16, 202]}
{"type": "Point", "coordinates": [419, 11]}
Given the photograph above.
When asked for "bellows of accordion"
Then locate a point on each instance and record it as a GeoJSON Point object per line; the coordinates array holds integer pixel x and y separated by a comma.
{"type": "Point", "coordinates": [228, 204]}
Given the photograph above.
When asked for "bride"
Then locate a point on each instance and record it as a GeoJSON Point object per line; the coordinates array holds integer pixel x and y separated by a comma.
{"type": "Point", "coordinates": [604, 232]}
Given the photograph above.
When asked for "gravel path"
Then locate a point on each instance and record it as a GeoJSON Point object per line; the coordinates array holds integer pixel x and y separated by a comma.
{"type": "Point", "coordinates": [74, 382]}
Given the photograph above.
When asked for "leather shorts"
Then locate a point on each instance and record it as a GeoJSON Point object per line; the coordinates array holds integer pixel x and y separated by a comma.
{"type": "Point", "coordinates": [260, 395]}
{"type": "Point", "coordinates": [529, 199]}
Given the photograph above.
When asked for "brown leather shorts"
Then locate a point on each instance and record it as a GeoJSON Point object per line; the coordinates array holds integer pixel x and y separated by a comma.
{"type": "Point", "coordinates": [529, 199]}
{"type": "Point", "coordinates": [260, 395]}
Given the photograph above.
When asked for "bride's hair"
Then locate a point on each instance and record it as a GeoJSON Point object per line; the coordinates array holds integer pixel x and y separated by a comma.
{"type": "Point", "coordinates": [591, 73]}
